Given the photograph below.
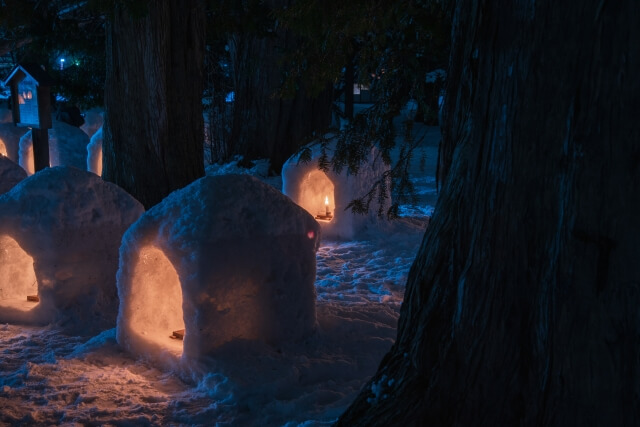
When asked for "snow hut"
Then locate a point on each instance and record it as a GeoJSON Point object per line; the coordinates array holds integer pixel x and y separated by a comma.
{"type": "Point", "coordinates": [60, 231]}
{"type": "Point", "coordinates": [326, 195]}
{"type": "Point", "coordinates": [67, 147]}
{"type": "Point", "coordinates": [10, 174]}
{"type": "Point", "coordinates": [226, 258]}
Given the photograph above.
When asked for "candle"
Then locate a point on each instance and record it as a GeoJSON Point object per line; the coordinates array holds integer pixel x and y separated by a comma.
{"type": "Point", "coordinates": [326, 205]}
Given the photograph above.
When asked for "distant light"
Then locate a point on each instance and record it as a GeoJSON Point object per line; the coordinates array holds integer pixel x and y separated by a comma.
{"type": "Point", "coordinates": [311, 234]}
{"type": "Point", "coordinates": [62, 63]}
{"type": "Point", "coordinates": [230, 97]}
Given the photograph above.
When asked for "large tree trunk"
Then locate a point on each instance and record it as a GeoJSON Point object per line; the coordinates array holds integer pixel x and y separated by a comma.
{"type": "Point", "coordinates": [523, 304]}
{"type": "Point", "coordinates": [153, 130]}
{"type": "Point", "coordinates": [266, 125]}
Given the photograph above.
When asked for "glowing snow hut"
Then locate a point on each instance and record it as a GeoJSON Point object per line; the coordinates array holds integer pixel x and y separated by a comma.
{"type": "Point", "coordinates": [326, 195]}
{"type": "Point", "coordinates": [10, 174]}
{"type": "Point", "coordinates": [226, 258]}
{"type": "Point", "coordinates": [67, 147]}
{"type": "Point", "coordinates": [60, 231]}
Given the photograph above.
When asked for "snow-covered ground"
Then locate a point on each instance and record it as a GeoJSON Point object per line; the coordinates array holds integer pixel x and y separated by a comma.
{"type": "Point", "coordinates": [49, 378]}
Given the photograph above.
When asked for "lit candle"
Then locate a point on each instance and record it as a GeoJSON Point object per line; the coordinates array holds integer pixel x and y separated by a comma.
{"type": "Point", "coordinates": [326, 205]}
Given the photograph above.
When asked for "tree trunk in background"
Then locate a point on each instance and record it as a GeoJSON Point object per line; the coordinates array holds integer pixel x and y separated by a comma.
{"type": "Point", "coordinates": [153, 130]}
{"type": "Point", "coordinates": [523, 304]}
{"type": "Point", "coordinates": [264, 125]}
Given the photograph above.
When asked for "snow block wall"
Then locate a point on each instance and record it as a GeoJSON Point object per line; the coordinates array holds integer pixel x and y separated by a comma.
{"type": "Point", "coordinates": [94, 153]}
{"type": "Point", "coordinates": [60, 232]}
{"type": "Point", "coordinates": [10, 174]}
{"type": "Point", "coordinates": [226, 258]}
{"type": "Point", "coordinates": [326, 195]}
{"type": "Point", "coordinates": [10, 135]}
{"type": "Point", "coordinates": [67, 147]}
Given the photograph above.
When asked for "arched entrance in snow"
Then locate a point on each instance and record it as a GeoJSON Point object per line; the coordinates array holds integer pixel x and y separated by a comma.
{"type": "Point", "coordinates": [317, 196]}
{"type": "Point", "coordinates": [3, 148]}
{"type": "Point", "coordinates": [156, 301]}
{"type": "Point", "coordinates": [18, 285]}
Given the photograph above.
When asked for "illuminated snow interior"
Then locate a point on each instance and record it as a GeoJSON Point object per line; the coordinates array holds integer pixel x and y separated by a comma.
{"type": "Point", "coordinates": [156, 300]}
{"type": "Point", "coordinates": [3, 148]}
{"type": "Point", "coordinates": [17, 277]}
{"type": "Point", "coordinates": [316, 196]}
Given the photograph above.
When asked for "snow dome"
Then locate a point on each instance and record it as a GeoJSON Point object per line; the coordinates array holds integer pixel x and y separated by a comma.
{"type": "Point", "coordinates": [60, 231]}
{"type": "Point", "coordinates": [326, 195]}
{"type": "Point", "coordinates": [94, 153]}
{"type": "Point", "coordinates": [67, 147]}
{"type": "Point", "coordinates": [10, 174]}
{"type": "Point", "coordinates": [10, 135]}
{"type": "Point", "coordinates": [226, 258]}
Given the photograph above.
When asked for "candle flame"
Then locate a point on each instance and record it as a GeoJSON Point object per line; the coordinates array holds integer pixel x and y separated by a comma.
{"type": "Point", "coordinates": [326, 200]}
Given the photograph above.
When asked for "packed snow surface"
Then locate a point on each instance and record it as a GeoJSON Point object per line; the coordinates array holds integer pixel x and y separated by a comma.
{"type": "Point", "coordinates": [52, 378]}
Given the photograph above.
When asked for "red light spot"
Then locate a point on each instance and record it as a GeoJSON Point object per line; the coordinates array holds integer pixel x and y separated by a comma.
{"type": "Point", "coordinates": [311, 234]}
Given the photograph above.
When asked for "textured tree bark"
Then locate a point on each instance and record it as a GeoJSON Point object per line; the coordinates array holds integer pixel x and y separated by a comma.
{"type": "Point", "coordinates": [153, 130]}
{"type": "Point", "coordinates": [264, 124]}
{"type": "Point", "coordinates": [521, 307]}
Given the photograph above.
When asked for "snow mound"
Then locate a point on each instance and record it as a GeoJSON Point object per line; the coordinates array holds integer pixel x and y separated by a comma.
{"type": "Point", "coordinates": [10, 174]}
{"type": "Point", "coordinates": [60, 231]}
{"type": "Point", "coordinates": [94, 153]}
{"type": "Point", "coordinates": [67, 147]}
{"type": "Point", "coordinates": [327, 195]}
{"type": "Point", "coordinates": [10, 135]}
{"type": "Point", "coordinates": [227, 258]}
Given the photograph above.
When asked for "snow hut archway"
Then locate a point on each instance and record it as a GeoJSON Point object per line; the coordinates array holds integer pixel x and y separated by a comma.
{"type": "Point", "coordinates": [19, 289]}
{"type": "Point", "coordinates": [156, 301]}
{"type": "Point", "coordinates": [317, 197]}
{"type": "Point", "coordinates": [3, 148]}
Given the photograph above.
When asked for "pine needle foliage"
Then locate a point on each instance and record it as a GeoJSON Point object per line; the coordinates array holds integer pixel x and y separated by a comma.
{"type": "Point", "coordinates": [393, 45]}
